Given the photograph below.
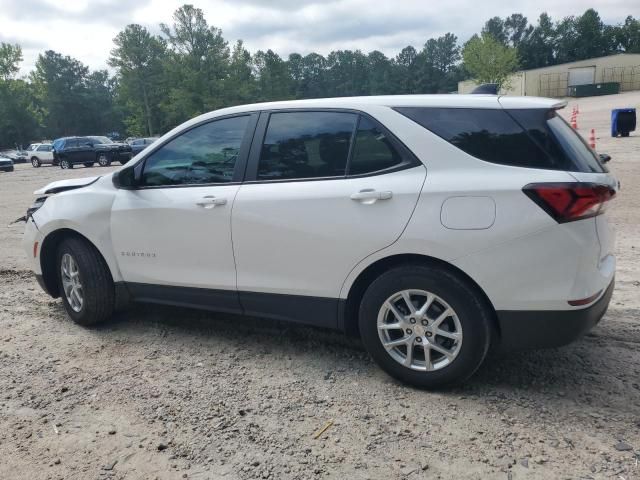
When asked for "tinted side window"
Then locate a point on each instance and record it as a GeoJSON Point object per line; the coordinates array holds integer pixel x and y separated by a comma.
{"type": "Point", "coordinates": [372, 150]}
{"type": "Point", "coordinates": [488, 134]}
{"type": "Point", "coordinates": [533, 138]}
{"type": "Point", "coordinates": [71, 143]}
{"type": "Point", "coordinates": [204, 154]}
{"type": "Point", "coordinates": [565, 148]}
{"type": "Point", "coordinates": [306, 145]}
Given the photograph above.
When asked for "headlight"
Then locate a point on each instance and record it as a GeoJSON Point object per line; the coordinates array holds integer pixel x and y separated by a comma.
{"type": "Point", "coordinates": [36, 205]}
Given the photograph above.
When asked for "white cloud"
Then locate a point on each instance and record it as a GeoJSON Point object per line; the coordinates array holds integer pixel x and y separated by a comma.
{"type": "Point", "coordinates": [85, 29]}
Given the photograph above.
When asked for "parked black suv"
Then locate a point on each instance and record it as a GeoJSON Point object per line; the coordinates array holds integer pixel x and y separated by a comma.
{"type": "Point", "coordinates": [70, 151]}
{"type": "Point", "coordinates": [139, 144]}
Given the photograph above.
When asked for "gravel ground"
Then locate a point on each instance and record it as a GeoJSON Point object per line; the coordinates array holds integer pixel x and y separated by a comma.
{"type": "Point", "coordinates": [171, 393]}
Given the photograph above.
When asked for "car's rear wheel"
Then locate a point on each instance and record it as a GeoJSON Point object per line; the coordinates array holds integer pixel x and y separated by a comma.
{"type": "Point", "coordinates": [425, 326]}
{"type": "Point", "coordinates": [35, 161]}
{"type": "Point", "coordinates": [85, 283]}
{"type": "Point", "coordinates": [103, 160]}
{"type": "Point", "coordinates": [65, 164]}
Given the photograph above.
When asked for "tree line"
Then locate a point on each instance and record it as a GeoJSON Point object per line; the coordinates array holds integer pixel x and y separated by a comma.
{"type": "Point", "coordinates": [159, 81]}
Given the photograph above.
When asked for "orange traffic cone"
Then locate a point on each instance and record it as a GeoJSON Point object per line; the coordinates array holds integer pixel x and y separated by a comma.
{"type": "Point", "coordinates": [574, 122]}
{"type": "Point", "coordinates": [592, 139]}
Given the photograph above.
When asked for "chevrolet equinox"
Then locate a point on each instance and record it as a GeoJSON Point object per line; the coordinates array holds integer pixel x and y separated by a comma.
{"type": "Point", "coordinates": [431, 226]}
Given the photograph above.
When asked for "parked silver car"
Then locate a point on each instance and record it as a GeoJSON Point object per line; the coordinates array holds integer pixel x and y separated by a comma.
{"type": "Point", "coordinates": [41, 154]}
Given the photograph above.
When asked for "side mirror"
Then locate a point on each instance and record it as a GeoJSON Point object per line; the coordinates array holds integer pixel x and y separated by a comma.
{"type": "Point", "coordinates": [604, 158]}
{"type": "Point", "coordinates": [126, 178]}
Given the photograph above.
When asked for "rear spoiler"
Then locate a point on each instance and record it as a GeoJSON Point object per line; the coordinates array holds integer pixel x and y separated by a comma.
{"type": "Point", "coordinates": [486, 89]}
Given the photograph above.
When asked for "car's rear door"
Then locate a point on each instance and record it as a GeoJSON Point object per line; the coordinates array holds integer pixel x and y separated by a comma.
{"type": "Point", "coordinates": [324, 190]}
{"type": "Point", "coordinates": [44, 153]}
{"type": "Point", "coordinates": [172, 234]}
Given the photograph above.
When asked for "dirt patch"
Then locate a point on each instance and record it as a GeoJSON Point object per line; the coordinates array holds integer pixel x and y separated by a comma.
{"type": "Point", "coordinates": [171, 393]}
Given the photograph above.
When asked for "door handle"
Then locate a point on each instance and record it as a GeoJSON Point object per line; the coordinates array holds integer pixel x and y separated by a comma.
{"type": "Point", "coordinates": [210, 201]}
{"type": "Point", "coordinates": [369, 195]}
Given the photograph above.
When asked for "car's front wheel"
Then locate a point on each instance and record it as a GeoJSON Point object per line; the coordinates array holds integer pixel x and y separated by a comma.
{"type": "Point", "coordinates": [103, 160]}
{"type": "Point", "coordinates": [425, 325]}
{"type": "Point", "coordinates": [35, 161]}
{"type": "Point", "coordinates": [85, 283]}
{"type": "Point", "coordinates": [65, 164]}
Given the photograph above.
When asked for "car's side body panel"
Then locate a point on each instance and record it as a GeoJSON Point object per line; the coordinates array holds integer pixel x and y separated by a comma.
{"type": "Point", "coordinates": [302, 238]}
{"type": "Point", "coordinates": [86, 211]}
{"type": "Point", "coordinates": [296, 245]}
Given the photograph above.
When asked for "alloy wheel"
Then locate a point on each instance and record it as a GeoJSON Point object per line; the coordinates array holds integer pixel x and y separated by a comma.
{"type": "Point", "coordinates": [419, 330]}
{"type": "Point", "coordinates": [71, 283]}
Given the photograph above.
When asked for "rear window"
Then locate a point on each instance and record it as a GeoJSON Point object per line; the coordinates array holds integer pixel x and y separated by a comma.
{"type": "Point", "coordinates": [532, 138]}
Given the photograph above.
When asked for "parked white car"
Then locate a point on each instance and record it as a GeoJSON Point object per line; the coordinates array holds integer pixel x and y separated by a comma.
{"type": "Point", "coordinates": [430, 226]}
{"type": "Point", "coordinates": [40, 154]}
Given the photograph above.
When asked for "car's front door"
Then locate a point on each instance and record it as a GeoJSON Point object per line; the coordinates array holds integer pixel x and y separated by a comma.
{"type": "Point", "coordinates": [324, 190]}
{"type": "Point", "coordinates": [174, 230]}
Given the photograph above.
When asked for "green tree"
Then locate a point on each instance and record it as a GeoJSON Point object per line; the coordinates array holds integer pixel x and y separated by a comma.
{"type": "Point", "coordinates": [196, 65]}
{"type": "Point", "coordinates": [628, 35]}
{"type": "Point", "coordinates": [538, 49]}
{"type": "Point", "coordinates": [59, 83]}
{"type": "Point", "coordinates": [488, 60]}
{"type": "Point", "coordinates": [436, 65]}
{"type": "Point", "coordinates": [137, 58]}
{"type": "Point", "coordinates": [347, 73]}
{"type": "Point", "coordinates": [380, 74]}
{"type": "Point", "coordinates": [405, 71]}
{"type": "Point", "coordinates": [240, 83]}
{"type": "Point", "coordinates": [272, 74]}
{"type": "Point", "coordinates": [10, 58]}
{"type": "Point", "coordinates": [313, 77]}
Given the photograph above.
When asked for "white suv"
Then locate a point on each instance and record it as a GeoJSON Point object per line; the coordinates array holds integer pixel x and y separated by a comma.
{"type": "Point", "coordinates": [430, 226]}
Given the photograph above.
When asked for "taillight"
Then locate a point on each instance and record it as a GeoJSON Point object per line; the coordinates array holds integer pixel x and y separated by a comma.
{"type": "Point", "coordinates": [567, 202]}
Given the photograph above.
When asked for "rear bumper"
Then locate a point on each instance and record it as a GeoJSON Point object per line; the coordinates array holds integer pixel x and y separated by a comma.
{"type": "Point", "coordinates": [520, 330]}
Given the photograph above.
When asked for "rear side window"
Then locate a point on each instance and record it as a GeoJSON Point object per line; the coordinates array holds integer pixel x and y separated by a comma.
{"type": "Point", "coordinates": [202, 155]}
{"type": "Point", "coordinates": [372, 151]}
{"type": "Point", "coordinates": [306, 145]}
{"type": "Point", "coordinates": [534, 138]}
{"type": "Point", "coordinates": [563, 145]}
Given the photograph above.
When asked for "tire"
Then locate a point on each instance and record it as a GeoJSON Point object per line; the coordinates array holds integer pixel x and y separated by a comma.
{"type": "Point", "coordinates": [88, 164]}
{"type": "Point", "coordinates": [35, 161]}
{"type": "Point", "coordinates": [97, 290]}
{"type": "Point", "coordinates": [472, 314]}
{"type": "Point", "coordinates": [65, 164]}
{"type": "Point", "coordinates": [624, 134]}
{"type": "Point", "coordinates": [103, 160]}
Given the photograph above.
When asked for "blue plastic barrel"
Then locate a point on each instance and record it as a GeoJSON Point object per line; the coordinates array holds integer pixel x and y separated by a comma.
{"type": "Point", "coordinates": [623, 121]}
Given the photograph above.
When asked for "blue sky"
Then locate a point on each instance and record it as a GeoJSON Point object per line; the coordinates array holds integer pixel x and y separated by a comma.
{"type": "Point", "coordinates": [85, 29]}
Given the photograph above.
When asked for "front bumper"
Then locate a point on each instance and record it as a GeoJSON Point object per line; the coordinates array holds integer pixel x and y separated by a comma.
{"type": "Point", "coordinates": [521, 330]}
